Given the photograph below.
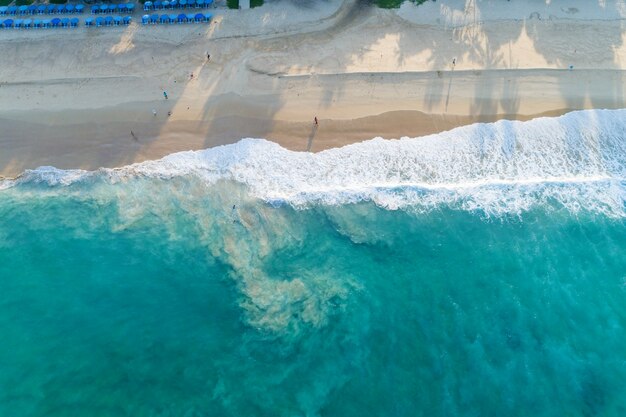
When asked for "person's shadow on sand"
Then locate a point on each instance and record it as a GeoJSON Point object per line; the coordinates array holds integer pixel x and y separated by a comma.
{"type": "Point", "coordinates": [311, 137]}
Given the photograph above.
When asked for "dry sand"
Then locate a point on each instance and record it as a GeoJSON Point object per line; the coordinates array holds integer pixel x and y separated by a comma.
{"type": "Point", "coordinates": [70, 98]}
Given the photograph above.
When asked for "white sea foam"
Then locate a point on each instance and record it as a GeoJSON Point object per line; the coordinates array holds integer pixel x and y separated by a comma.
{"type": "Point", "coordinates": [578, 159]}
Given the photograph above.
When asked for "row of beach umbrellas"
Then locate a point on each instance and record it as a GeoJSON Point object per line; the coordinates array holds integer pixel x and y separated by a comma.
{"type": "Point", "coordinates": [113, 8]}
{"type": "Point", "coordinates": [176, 18]}
{"type": "Point", "coordinates": [41, 9]}
{"type": "Point", "coordinates": [108, 21]}
{"type": "Point", "coordinates": [176, 4]}
{"type": "Point", "coordinates": [39, 23]}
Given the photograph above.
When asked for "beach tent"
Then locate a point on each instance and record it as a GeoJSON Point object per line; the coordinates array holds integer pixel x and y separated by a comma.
{"type": "Point", "coordinates": [89, 21]}
{"type": "Point", "coordinates": [164, 18]}
{"type": "Point", "coordinates": [65, 22]}
{"type": "Point", "coordinates": [154, 18]}
{"type": "Point", "coordinates": [56, 22]}
{"type": "Point", "coordinates": [3, 10]}
{"type": "Point", "coordinates": [80, 8]}
{"type": "Point", "coordinates": [147, 5]}
{"type": "Point", "coordinates": [127, 20]}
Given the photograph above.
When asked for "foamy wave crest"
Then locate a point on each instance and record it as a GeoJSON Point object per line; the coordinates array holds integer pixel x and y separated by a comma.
{"type": "Point", "coordinates": [577, 160]}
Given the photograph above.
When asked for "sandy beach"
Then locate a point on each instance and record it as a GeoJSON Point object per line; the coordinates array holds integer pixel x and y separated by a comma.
{"type": "Point", "coordinates": [71, 98]}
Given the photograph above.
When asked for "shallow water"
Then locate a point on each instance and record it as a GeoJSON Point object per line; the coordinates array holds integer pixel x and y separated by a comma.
{"type": "Point", "coordinates": [477, 272]}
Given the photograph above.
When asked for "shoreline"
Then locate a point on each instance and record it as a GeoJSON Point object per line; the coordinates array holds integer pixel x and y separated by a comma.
{"type": "Point", "coordinates": [359, 70]}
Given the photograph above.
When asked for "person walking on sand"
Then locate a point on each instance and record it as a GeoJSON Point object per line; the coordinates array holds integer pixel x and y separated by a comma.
{"type": "Point", "coordinates": [165, 95]}
{"type": "Point", "coordinates": [315, 121]}
{"type": "Point", "coordinates": [208, 56]}
{"type": "Point", "coordinates": [154, 112]}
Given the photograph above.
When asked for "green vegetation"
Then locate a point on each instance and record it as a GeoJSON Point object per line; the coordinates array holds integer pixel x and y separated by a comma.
{"type": "Point", "coordinates": [23, 2]}
{"type": "Point", "coordinates": [256, 3]}
{"type": "Point", "coordinates": [394, 4]}
{"type": "Point", "coordinates": [58, 1]}
{"type": "Point", "coordinates": [5, 2]}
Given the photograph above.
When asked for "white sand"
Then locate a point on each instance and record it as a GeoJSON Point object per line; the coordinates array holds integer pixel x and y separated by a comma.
{"type": "Point", "coordinates": [70, 98]}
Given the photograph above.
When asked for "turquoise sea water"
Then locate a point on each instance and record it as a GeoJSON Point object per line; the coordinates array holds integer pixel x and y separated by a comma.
{"type": "Point", "coordinates": [479, 272]}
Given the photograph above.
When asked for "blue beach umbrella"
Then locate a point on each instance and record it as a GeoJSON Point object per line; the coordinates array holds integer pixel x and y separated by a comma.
{"type": "Point", "coordinates": [70, 8]}
{"type": "Point", "coordinates": [130, 7]}
{"type": "Point", "coordinates": [51, 9]}
{"type": "Point", "coordinates": [23, 9]}
{"type": "Point", "coordinates": [208, 16]}
{"type": "Point", "coordinates": [65, 22]}
{"type": "Point", "coordinates": [117, 20]}
{"type": "Point", "coordinates": [190, 18]}
{"type": "Point", "coordinates": [145, 19]}
{"type": "Point", "coordinates": [166, 4]}
{"type": "Point", "coordinates": [79, 8]}
{"type": "Point", "coordinates": [158, 5]}
{"type": "Point", "coordinates": [32, 9]}
{"type": "Point", "coordinates": [164, 18]}
{"type": "Point", "coordinates": [74, 22]}
{"type": "Point", "coordinates": [104, 8]}
{"type": "Point", "coordinates": [147, 5]}
{"type": "Point", "coordinates": [182, 3]}
{"type": "Point", "coordinates": [207, 3]}
{"type": "Point", "coordinates": [182, 17]}
{"type": "Point", "coordinates": [199, 3]}
{"type": "Point", "coordinates": [55, 22]}
{"type": "Point", "coordinates": [108, 21]}
{"type": "Point", "coordinates": [127, 20]}
{"type": "Point", "coordinates": [199, 17]}
{"type": "Point", "coordinates": [154, 18]}
{"type": "Point", "coordinates": [3, 10]}
{"type": "Point", "coordinates": [89, 21]}
{"type": "Point", "coordinates": [8, 23]}
{"type": "Point", "coordinates": [27, 23]}
{"type": "Point", "coordinates": [36, 23]}
{"type": "Point", "coordinates": [173, 18]}
{"type": "Point", "coordinates": [95, 9]}
{"type": "Point", "coordinates": [174, 4]}
{"type": "Point", "coordinates": [17, 23]}
{"type": "Point", "coordinates": [99, 21]}
{"type": "Point", "coordinates": [41, 9]}
{"type": "Point", "coordinates": [45, 23]}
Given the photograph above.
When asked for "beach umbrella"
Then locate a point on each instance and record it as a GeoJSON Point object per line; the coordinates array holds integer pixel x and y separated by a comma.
{"type": "Point", "coordinates": [3, 10]}
{"type": "Point", "coordinates": [17, 23]}
{"type": "Point", "coordinates": [173, 18]}
{"type": "Point", "coordinates": [41, 9]}
{"type": "Point", "coordinates": [127, 19]}
{"type": "Point", "coordinates": [8, 23]}
{"type": "Point", "coordinates": [208, 2]}
{"type": "Point", "coordinates": [130, 7]}
{"type": "Point", "coordinates": [99, 21]}
{"type": "Point", "coordinates": [104, 8]}
{"type": "Point", "coordinates": [182, 17]}
{"type": "Point", "coordinates": [70, 8]}
{"type": "Point", "coordinates": [89, 21]}
{"type": "Point", "coordinates": [190, 17]}
{"type": "Point", "coordinates": [95, 9]}
{"type": "Point", "coordinates": [108, 21]}
{"type": "Point", "coordinates": [147, 5]}
{"type": "Point", "coordinates": [52, 8]}
{"type": "Point", "coordinates": [65, 22]}
{"type": "Point", "coordinates": [55, 22]}
{"type": "Point", "coordinates": [32, 9]}
{"type": "Point", "coordinates": [158, 4]}
{"type": "Point", "coordinates": [45, 23]}
{"type": "Point", "coordinates": [23, 9]}
{"type": "Point", "coordinates": [117, 20]}
{"type": "Point", "coordinates": [199, 3]}
{"type": "Point", "coordinates": [198, 17]}
{"type": "Point", "coordinates": [79, 8]}
{"type": "Point", "coordinates": [36, 23]}
{"type": "Point", "coordinates": [164, 18]}
{"type": "Point", "coordinates": [166, 4]}
{"type": "Point", "coordinates": [26, 23]}
{"type": "Point", "coordinates": [182, 3]}
{"type": "Point", "coordinates": [208, 16]}
{"type": "Point", "coordinates": [144, 19]}
{"type": "Point", "coordinates": [154, 18]}
{"type": "Point", "coordinates": [74, 22]}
